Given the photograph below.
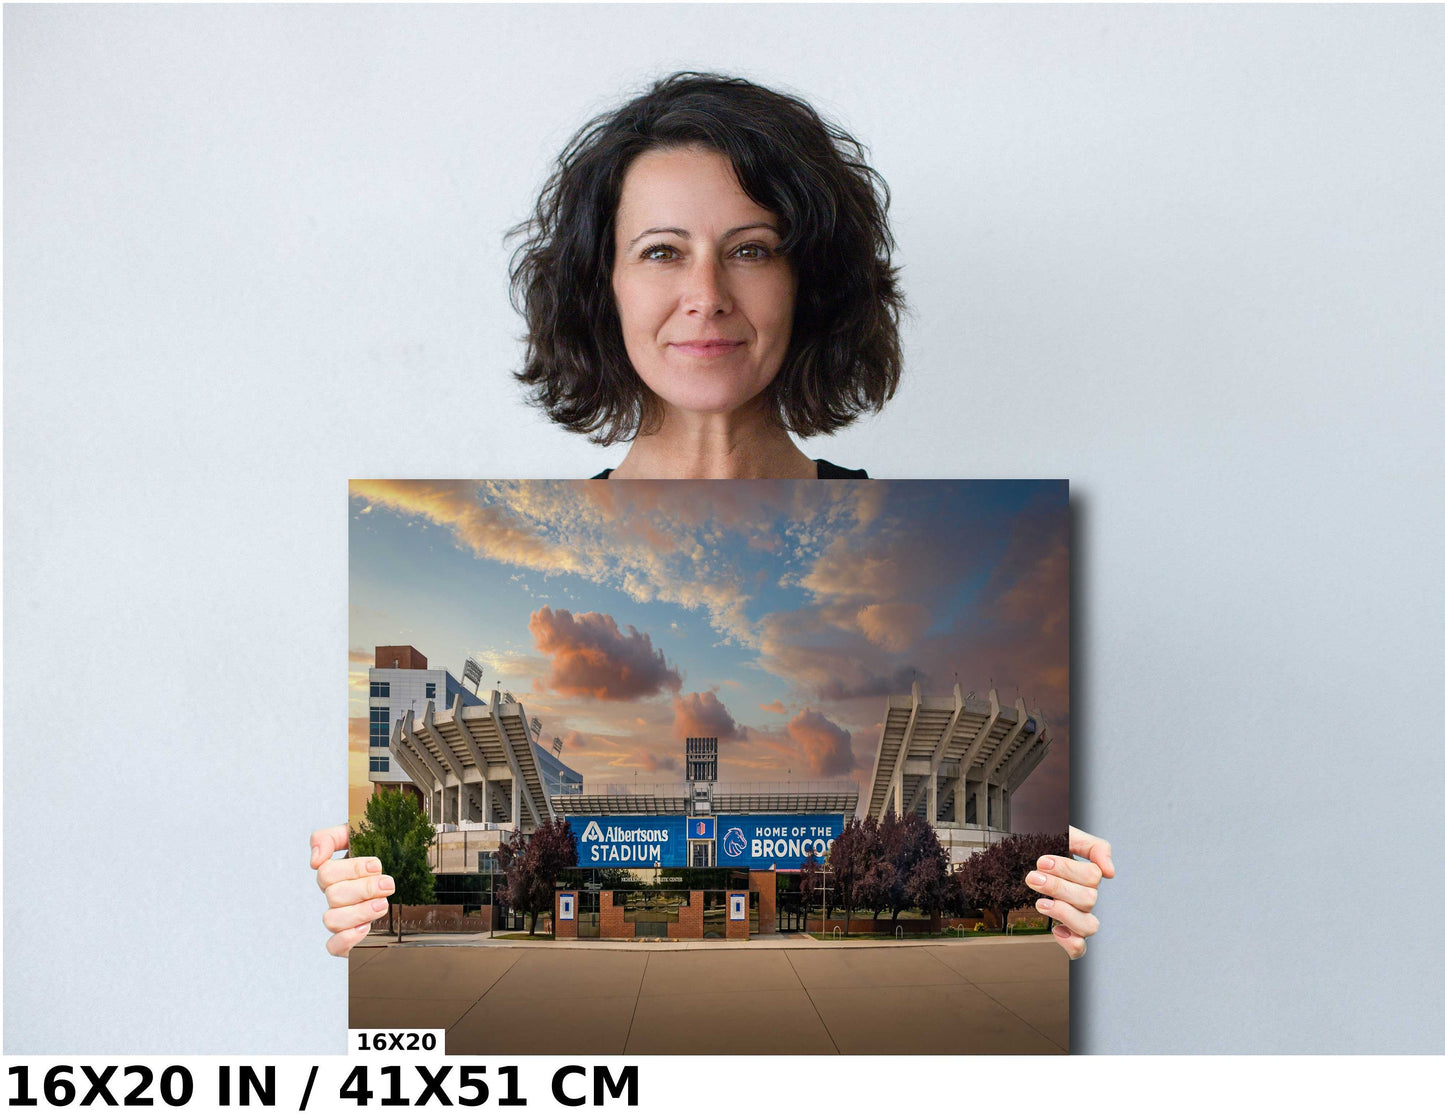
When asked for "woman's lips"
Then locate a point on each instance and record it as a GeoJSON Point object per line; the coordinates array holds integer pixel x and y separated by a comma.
{"type": "Point", "coordinates": [707, 348]}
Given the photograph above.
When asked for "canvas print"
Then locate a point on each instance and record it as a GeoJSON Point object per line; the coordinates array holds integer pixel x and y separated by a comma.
{"type": "Point", "coordinates": [711, 766]}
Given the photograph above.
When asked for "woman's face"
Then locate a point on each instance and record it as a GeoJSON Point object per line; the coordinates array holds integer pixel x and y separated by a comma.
{"type": "Point", "coordinates": [705, 299]}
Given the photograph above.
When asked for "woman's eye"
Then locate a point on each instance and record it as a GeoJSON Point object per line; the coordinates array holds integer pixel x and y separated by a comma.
{"type": "Point", "coordinates": [659, 253]}
{"type": "Point", "coordinates": [753, 251]}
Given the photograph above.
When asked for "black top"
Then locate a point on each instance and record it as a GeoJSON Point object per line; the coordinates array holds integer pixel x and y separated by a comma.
{"type": "Point", "coordinates": [825, 470]}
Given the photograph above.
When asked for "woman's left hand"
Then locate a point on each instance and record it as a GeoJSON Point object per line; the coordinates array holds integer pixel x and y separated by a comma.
{"type": "Point", "coordinates": [1071, 889]}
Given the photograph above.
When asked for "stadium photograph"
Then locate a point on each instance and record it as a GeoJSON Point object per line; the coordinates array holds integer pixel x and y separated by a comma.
{"type": "Point", "coordinates": [710, 767]}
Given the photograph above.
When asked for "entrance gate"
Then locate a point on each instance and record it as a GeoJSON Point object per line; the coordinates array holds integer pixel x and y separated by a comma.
{"type": "Point", "coordinates": [790, 916]}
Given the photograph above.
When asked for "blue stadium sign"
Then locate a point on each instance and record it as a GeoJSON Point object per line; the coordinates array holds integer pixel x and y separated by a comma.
{"type": "Point", "coordinates": [781, 841]}
{"type": "Point", "coordinates": [630, 841]}
{"type": "Point", "coordinates": [701, 828]}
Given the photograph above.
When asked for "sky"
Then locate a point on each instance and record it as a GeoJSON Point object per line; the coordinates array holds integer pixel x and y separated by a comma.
{"type": "Point", "coordinates": [776, 615]}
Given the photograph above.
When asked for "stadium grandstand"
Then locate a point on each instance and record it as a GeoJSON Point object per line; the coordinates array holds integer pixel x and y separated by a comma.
{"type": "Point", "coordinates": [480, 774]}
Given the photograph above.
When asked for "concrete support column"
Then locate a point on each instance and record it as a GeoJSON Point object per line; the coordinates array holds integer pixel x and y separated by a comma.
{"type": "Point", "coordinates": [960, 801]}
{"type": "Point", "coordinates": [933, 780]}
{"type": "Point", "coordinates": [898, 790]}
{"type": "Point", "coordinates": [516, 803]}
{"type": "Point", "coordinates": [983, 804]}
{"type": "Point", "coordinates": [486, 800]}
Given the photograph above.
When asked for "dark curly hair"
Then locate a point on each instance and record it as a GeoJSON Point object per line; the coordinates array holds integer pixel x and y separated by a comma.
{"type": "Point", "coordinates": [844, 355]}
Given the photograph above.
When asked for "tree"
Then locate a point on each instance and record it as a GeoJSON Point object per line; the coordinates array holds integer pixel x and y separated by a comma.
{"type": "Point", "coordinates": [810, 877]}
{"type": "Point", "coordinates": [927, 885]}
{"type": "Point", "coordinates": [397, 832]}
{"type": "Point", "coordinates": [878, 883]}
{"type": "Point", "coordinates": [994, 877]}
{"type": "Point", "coordinates": [531, 865]}
{"type": "Point", "coordinates": [911, 869]}
{"type": "Point", "coordinates": [850, 858]}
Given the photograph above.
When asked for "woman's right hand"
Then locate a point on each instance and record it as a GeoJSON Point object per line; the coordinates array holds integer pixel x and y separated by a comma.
{"type": "Point", "coordinates": [355, 889]}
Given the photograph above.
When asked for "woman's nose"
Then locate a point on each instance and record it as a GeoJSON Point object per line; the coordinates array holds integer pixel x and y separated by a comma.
{"type": "Point", "coordinates": [707, 290]}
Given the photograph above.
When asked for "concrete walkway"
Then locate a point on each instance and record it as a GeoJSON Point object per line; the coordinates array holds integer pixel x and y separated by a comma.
{"type": "Point", "coordinates": [769, 996]}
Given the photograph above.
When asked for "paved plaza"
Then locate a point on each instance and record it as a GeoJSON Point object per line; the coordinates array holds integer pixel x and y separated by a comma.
{"type": "Point", "coordinates": [773, 996]}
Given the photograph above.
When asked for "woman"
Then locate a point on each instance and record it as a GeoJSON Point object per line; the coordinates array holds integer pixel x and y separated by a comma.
{"type": "Point", "coordinates": [705, 276]}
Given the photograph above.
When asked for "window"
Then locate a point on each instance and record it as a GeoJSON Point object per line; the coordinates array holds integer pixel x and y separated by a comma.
{"type": "Point", "coordinates": [380, 765]}
{"type": "Point", "coordinates": [380, 727]}
{"type": "Point", "coordinates": [431, 691]}
{"type": "Point", "coordinates": [381, 688]}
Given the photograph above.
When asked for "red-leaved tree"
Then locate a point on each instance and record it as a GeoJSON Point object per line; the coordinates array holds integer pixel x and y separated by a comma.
{"type": "Point", "coordinates": [993, 878]}
{"type": "Point", "coordinates": [531, 865]}
{"type": "Point", "coordinates": [810, 875]}
{"type": "Point", "coordinates": [849, 859]}
{"type": "Point", "coordinates": [911, 869]}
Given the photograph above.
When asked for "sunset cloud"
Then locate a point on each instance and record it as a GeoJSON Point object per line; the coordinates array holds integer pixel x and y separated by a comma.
{"type": "Point", "coordinates": [820, 657]}
{"type": "Point", "coordinates": [827, 747]}
{"type": "Point", "coordinates": [894, 626]}
{"type": "Point", "coordinates": [591, 656]}
{"type": "Point", "coordinates": [658, 763]}
{"type": "Point", "coordinates": [832, 596]}
{"type": "Point", "coordinates": [703, 715]}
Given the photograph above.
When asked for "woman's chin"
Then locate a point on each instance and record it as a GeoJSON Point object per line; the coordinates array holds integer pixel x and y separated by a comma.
{"type": "Point", "coordinates": [697, 401]}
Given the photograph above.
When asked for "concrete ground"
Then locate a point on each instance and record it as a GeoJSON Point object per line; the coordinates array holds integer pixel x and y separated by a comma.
{"type": "Point", "coordinates": [767, 996]}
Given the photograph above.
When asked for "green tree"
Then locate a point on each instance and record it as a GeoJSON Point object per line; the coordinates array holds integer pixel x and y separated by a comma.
{"type": "Point", "coordinates": [396, 831]}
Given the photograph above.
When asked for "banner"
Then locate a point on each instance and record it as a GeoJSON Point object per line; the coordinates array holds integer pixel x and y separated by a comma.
{"type": "Point", "coordinates": [780, 842]}
{"type": "Point", "coordinates": [630, 841]}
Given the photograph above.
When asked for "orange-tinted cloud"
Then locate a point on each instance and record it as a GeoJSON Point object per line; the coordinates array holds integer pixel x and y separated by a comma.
{"type": "Point", "coordinates": [702, 714]}
{"type": "Point", "coordinates": [591, 656]}
{"type": "Point", "coordinates": [776, 706]}
{"type": "Point", "coordinates": [655, 763]}
{"type": "Point", "coordinates": [826, 746]}
{"type": "Point", "coordinates": [893, 626]}
{"type": "Point", "coordinates": [489, 531]}
{"type": "Point", "coordinates": [808, 649]}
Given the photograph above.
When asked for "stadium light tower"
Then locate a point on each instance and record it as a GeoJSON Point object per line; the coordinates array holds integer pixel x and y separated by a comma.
{"type": "Point", "coordinates": [472, 671]}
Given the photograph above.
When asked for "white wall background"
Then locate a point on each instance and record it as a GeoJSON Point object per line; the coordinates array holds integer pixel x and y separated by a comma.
{"type": "Point", "coordinates": [1191, 259]}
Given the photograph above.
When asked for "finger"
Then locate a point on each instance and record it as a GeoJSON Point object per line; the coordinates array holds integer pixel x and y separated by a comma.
{"type": "Point", "coordinates": [326, 842]}
{"type": "Point", "coordinates": [335, 870]}
{"type": "Point", "coordinates": [1085, 925]}
{"type": "Point", "coordinates": [348, 892]}
{"type": "Point", "coordinates": [1073, 944]}
{"type": "Point", "coordinates": [1075, 870]}
{"type": "Point", "coordinates": [341, 944]}
{"type": "Point", "coordinates": [1076, 894]}
{"type": "Point", "coordinates": [1092, 848]}
{"type": "Point", "coordinates": [349, 917]}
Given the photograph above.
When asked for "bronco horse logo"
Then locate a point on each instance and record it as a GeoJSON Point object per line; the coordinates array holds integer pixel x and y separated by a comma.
{"type": "Point", "coordinates": [734, 844]}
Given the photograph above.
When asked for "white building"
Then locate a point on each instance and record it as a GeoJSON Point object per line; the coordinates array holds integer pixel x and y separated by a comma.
{"type": "Point", "coordinates": [475, 765]}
